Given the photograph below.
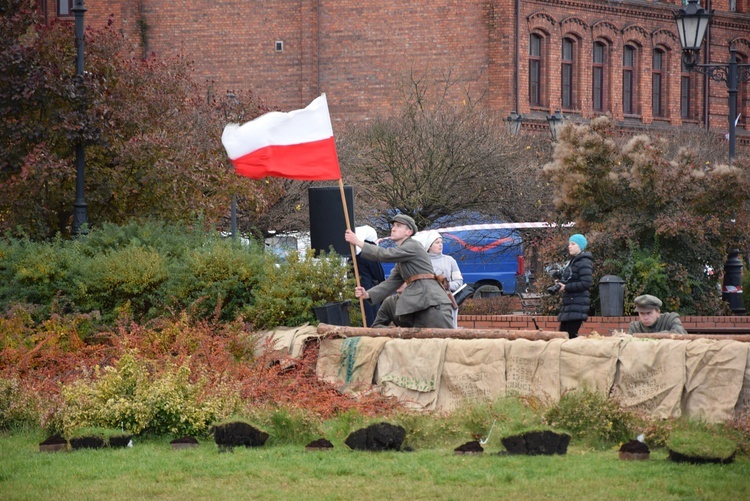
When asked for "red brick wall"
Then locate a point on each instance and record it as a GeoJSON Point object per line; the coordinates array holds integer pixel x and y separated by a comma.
{"type": "Point", "coordinates": [359, 52]}
{"type": "Point", "coordinates": [601, 325]}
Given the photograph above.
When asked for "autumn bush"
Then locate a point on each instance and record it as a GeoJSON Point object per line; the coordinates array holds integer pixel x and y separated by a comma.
{"type": "Point", "coordinates": [141, 399]}
{"type": "Point", "coordinates": [291, 290]}
{"type": "Point", "coordinates": [656, 212]}
{"type": "Point", "coordinates": [501, 305]}
{"type": "Point", "coordinates": [149, 127]}
{"type": "Point", "coordinates": [175, 375]}
{"type": "Point", "coordinates": [593, 417]}
{"type": "Point", "coordinates": [19, 406]}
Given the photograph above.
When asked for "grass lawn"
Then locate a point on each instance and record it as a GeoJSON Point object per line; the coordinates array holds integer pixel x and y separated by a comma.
{"type": "Point", "coordinates": [151, 469]}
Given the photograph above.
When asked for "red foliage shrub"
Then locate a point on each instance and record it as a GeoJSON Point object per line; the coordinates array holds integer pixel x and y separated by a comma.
{"type": "Point", "coordinates": [221, 353]}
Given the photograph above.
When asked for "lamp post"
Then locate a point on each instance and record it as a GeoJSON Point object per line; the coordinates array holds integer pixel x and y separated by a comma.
{"type": "Point", "coordinates": [556, 122]}
{"type": "Point", "coordinates": [514, 122]}
{"type": "Point", "coordinates": [80, 207]}
{"type": "Point", "coordinates": [692, 23]}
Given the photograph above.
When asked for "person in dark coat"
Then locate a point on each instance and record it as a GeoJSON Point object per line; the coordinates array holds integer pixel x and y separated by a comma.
{"type": "Point", "coordinates": [575, 282]}
{"type": "Point", "coordinates": [371, 272]}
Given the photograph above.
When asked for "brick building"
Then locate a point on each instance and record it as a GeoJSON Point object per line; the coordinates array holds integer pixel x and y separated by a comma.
{"type": "Point", "coordinates": [585, 57]}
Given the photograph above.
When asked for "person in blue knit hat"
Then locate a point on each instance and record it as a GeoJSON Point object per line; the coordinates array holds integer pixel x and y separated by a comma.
{"type": "Point", "coordinates": [575, 282]}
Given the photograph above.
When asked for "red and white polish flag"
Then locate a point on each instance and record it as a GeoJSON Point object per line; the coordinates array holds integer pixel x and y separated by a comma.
{"type": "Point", "coordinates": [294, 145]}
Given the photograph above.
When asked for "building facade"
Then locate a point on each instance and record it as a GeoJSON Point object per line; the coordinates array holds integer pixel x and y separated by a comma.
{"type": "Point", "coordinates": [584, 57]}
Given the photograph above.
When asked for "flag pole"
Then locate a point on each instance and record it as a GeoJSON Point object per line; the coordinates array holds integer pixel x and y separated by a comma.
{"type": "Point", "coordinates": [353, 250]}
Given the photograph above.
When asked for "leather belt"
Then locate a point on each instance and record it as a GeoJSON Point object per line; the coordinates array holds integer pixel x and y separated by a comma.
{"type": "Point", "coordinates": [432, 276]}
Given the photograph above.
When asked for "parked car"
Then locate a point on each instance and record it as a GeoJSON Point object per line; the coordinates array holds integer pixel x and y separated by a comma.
{"type": "Point", "coordinates": [487, 254]}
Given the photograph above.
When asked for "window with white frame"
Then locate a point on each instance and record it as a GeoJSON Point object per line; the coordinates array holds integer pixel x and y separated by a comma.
{"type": "Point", "coordinates": [629, 84]}
{"type": "Point", "coordinates": [657, 83]}
{"type": "Point", "coordinates": [64, 8]}
{"type": "Point", "coordinates": [567, 73]}
{"type": "Point", "coordinates": [599, 77]}
{"type": "Point", "coordinates": [536, 43]}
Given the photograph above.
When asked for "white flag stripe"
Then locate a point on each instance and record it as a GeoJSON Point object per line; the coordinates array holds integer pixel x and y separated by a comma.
{"type": "Point", "coordinates": [277, 128]}
{"type": "Point", "coordinates": [501, 226]}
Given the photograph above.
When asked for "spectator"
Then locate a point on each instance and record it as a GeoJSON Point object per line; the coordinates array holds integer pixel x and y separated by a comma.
{"type": "Point", "coordinates": [575, 282]}
{"type": "Point", "coordinates": [444, 265]}
{"type": "Point", "coordinates": [651, 319]}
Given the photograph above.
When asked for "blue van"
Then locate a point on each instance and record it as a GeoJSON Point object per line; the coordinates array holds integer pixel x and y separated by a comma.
{"type": "Point", "coordinates": [487, 254]}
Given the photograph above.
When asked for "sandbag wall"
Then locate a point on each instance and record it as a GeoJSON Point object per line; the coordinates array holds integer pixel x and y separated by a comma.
{"type": "Point", "coordinates": [701, 379]}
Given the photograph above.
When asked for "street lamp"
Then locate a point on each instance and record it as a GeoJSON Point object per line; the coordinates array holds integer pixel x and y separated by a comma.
{"type": "Point", "coordinates": [80, 207]}
{"type": "Point", "coordinates": [692, 23]}
{"type": "Point", "coordinates": [514, 122]}
{"type": "Point", "coordinates": [556, 122]}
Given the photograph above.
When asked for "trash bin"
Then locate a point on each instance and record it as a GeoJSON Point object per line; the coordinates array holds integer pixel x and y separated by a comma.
{"type": "Point", "coordinates": [612, 295]}
{"type": "Point", "coordinates": [731, 290]}
{"type": "Point", "coordinates": [333, 313]}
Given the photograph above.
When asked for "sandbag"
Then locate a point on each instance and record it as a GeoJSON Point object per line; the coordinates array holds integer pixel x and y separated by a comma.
{"type": "Point", "coordinates": [589, 363]}
{"type": "Point", "coordinates": [533, 368]}
{"type": "Point", "coordinates": [349, 363]}
{"type": "Point", "coordinates": [410, 369]}
{"type": "Point", "coordinates": [473, 370]}
{"type": "Point", "coordinates": [714, 372]}
{"type": "Point", "coordinates": [650, 376]}
{"type": "Point", "coordinates": [743, 401]}
{"type": "Point", "coordinates": [285, 341]}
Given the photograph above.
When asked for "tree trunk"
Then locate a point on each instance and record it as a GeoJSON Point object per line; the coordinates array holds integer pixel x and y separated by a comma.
{"type": "Point", "coordinates": [427, 333]}
{"type": "Point", "coordinates": [745, 338]}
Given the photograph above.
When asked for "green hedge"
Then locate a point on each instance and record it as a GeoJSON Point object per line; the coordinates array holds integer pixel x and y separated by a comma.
{"type": "Point", "coordinates": [145, 270]}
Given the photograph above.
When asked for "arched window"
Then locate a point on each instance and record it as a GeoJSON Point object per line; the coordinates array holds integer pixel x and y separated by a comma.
{"type": "Point", "coordinates": [658, 98]}
{"type": "Point", "coordinates": [743, 99]}
{"type": "Point", "coordinates": [536, 44]}
{"type": "Point", "coordinates": [64, 8]}
{"type": "Point", "coordinates": [629, 84]}
{"type": "Point", "coordinates": [686, 88]}
{"type": "Point", "coordinates": [568, 74]}
{"type": "Point", "coordinates": [599, 77]}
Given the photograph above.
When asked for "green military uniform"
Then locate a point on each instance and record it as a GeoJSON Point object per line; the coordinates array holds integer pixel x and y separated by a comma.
{"type": "Point", "coordinates": [424, 303]}
{"type": "Point", "coordinates": [667, 322]}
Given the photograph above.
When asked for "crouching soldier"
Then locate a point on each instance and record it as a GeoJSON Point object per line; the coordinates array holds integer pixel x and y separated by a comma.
{"type": "Point", "coordinates": [651, 319]}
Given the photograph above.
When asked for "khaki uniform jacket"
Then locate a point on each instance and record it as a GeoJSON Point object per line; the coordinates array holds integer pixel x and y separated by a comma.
{"type": "Point", "coordinates": [667, 322]}
{"type": "Point", "coordinates": [411, 259]}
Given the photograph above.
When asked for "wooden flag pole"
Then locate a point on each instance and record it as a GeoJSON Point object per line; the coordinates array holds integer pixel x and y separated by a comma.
{"type": "Point", "coordinates": [351, 246]}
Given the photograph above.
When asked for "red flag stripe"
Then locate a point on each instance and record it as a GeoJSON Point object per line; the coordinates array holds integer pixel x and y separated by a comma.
{"type": "Point", "coordinates": [313, 161]}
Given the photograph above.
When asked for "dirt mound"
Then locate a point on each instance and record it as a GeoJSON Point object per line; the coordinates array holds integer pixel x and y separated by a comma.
{"type": "Point", "coordinates": [120, 440]}
{"type": "Point", "coordinates": [377, 437]}
{"type": "Point", "coordinates": [54, 440]}
{"type": "Point", "coordinates": [684, 458]}
{"type": "Point", "coordinates": [318, 444]}
{"type": "Point", "coordinates": [473, 447]}
{"type": "Point", "coordinates": [535, 443]}
{"type": "Point", "coordinates": [238, 434]}
{"type": "Point", "coordinates": [87, 442]}
{"type": "Point", "coordinates": [635, 447]}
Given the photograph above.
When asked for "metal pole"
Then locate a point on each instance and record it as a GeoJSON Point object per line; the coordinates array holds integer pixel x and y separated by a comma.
{"type": "Point", "coordinates": [80, 208]}
{"type": "Point", "coordinates": [732, 87]}
{"type": "Point", "coordinates": [233, 217]}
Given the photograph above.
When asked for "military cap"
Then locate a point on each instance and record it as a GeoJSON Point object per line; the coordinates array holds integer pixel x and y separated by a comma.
{"type": "Point", "coordinates": [408, 221]}
{"type": "Point", "coordinates": [647, 302]}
